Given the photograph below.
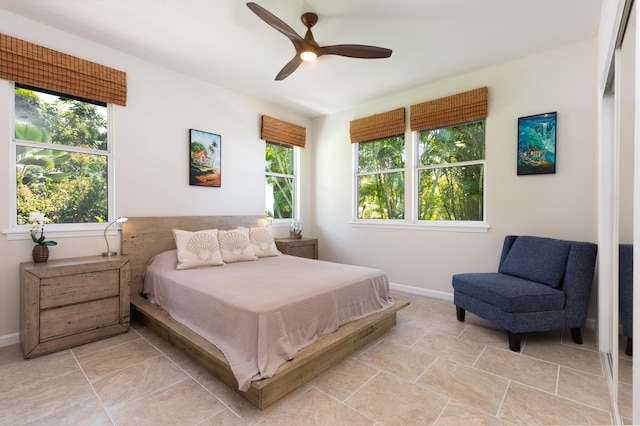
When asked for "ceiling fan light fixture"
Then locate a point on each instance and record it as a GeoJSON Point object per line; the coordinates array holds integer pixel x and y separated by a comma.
{"type": "Point", "coordinates": [308, 56]}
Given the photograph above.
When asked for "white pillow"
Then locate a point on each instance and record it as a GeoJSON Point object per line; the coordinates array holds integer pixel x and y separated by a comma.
{"type": "Point", "coordinates": [235, 245]}
{"type": "Point", "coordinates": [262, 242]}
{"type": "Point", "coordinates": [199, 248]}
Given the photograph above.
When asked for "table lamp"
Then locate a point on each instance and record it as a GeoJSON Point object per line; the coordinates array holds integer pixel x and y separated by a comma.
{"type": "Point", "coordinates": [118, 220]}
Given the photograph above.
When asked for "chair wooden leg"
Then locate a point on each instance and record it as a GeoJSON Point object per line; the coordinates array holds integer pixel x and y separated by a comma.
{"type": "Point", "coordinates": [460, 313]}
{"type": "Point", "coordinates": [629, 350]}
{"type": "Point", "coordinates": [514, 341]}
{"type": "Point", "coordinates": [576, 335]}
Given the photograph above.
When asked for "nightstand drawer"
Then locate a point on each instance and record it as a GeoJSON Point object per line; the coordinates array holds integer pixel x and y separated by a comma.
{"type": "Point", "coordinates": [308, 251]}
{"type": "Point", "coordinates": [301, 247]}
{"type": "Point", "coordinates": [66, 290]}
{"type": "Point", "coordinates": [73, 319]}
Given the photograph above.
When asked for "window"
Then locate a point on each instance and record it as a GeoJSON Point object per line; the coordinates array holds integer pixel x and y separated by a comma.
{"type": "Point", "coordinates": [445, 170]}
{"type": "Point", "coordinates": [450, 173]}
{"type": "Point", "coordinates": [380, 178]}
{"type": "Point", "coordinates": [62, 157]}
{"type": "Point", "coordinates": [280, 173]}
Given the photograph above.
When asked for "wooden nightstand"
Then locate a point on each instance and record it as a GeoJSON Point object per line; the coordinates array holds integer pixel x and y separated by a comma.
{"type": "Point", "coordinates": [303, 247]}
{"type": "Point", "coordinates": [68, 302]}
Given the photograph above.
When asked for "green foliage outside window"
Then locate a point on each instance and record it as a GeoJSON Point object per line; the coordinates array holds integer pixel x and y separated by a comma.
{"type": "Point", "coordinates": [69, 184]}
{"type": "Point", "coordinates": [280, 181]}
{"type": "Point", "coordinates": [380, 179]}
{"type": "Point", "coordinates": [451, 173]}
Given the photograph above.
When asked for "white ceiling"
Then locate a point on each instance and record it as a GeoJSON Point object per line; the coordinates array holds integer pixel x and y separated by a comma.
{"type": "Point", "coordinates": [223, 42]}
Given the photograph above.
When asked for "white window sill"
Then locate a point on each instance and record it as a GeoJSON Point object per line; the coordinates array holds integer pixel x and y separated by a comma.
{"type": "Point", "coordinates": [53, 232]}
{"type": "Point", "coordinates": [423, 226]}
{"type": "Point", "coordinates": [281, 223]}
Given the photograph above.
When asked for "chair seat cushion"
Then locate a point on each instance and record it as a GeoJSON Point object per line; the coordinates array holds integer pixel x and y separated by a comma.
{"type": "Point", "coordinates": [539, 259]}
{"type": "Point", "coordinates": [508, 293]}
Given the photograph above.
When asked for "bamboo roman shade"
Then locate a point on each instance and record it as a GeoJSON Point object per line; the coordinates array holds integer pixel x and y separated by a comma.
{"type": "Point", "coordinates": [378, 126]}
{"type": "Point", "coordinates": [34, 65]}
{"type": "Point", "coordinates": [460, 108]}
{"type": "Point", "coordinates": [278, 131]}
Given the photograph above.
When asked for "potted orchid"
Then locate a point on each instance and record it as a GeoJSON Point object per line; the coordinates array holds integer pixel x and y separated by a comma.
{"type": "Point", "coordinates": [40, 252]}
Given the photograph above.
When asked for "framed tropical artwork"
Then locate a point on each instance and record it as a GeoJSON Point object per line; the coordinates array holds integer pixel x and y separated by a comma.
{"type": "Point", "coordinates": [204, 158]}
{"type": "Point", "coordinates": [537, 144]}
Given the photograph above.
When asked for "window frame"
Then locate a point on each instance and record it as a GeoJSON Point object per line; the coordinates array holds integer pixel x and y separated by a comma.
{"type": "Point", "coordinates": [356, 189]}
{"type": "Point", "coordinates": [410, 222]}
{"type": "Point", "coordinates": [285, 222]}
{"type": "Point", "coordinates": [59, 230]}
{"type": "Point", "coordinates": [416, 181]}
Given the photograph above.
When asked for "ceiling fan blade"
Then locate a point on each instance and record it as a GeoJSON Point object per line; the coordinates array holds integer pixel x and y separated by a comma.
{"type": "Point", "coordinates": [289, 68]}
{"type": "Point", "coordinates": [355, 51]}
{"type": "Point", "coordinates": [275, 22]}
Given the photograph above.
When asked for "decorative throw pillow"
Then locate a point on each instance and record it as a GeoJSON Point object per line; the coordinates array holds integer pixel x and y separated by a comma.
{"type": "Point", "coordinates": [262, 242]}
{"type": "Point", "coordinates": [235, 245]}
{"type": "Point", "coordinates": [199, 248]}
{"type": "Point", "coordinates": [539, 259]}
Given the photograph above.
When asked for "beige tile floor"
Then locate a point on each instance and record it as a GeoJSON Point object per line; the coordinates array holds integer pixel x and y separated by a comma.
{"type": "Point", "coordinates": [429, 369]}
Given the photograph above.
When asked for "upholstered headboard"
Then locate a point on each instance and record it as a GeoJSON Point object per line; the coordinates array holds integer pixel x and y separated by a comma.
{"type": "Point", "coordinates": [144, 237]}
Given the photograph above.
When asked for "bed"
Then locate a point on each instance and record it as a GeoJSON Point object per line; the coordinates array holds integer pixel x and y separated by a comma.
{"type": "Point", "coordinates": [145, 238]}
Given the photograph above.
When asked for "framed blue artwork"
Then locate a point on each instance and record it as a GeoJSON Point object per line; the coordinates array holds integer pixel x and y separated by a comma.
{"type": "Point", "coordinates": [537, 144]}
{"type": "Point", "coordinates": [204, 158]}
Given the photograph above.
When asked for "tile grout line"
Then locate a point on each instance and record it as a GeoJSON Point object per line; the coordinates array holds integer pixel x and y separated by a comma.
{"type": "Point", "coordinates": [345, 400]}
{"type": "Point", "coordinates": [135, 399]}
{"type": "Point", "coordinates": [93, 389]}
{"type": "Point", "coordinates": [194, 379]}
{"type": "Point", "coordinates": [501, 406]}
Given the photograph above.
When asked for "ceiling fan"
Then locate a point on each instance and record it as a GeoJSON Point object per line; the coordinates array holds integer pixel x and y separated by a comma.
{"type": "Point", "coordinates": [306, 48]}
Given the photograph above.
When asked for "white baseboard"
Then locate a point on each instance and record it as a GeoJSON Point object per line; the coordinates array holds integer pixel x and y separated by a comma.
{"type": "Point", "coordinates": [421, 291]}
{"type": "Point", "coordinates": [590, 323]}
{"type": "Point", "coordinates": [9, 339]}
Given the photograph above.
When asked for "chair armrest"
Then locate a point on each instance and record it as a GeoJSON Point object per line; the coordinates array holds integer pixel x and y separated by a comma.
{"type": "Point", "coordinates": [506, 247]}
{"type": "Point", "coordinates": [577, 283]}
{"type": "Point", "coordinates": [625, 294]}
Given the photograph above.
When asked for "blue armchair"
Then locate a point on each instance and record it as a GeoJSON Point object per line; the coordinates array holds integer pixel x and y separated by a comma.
{"type": "Point", "coordinates": [625, 294]}
{"type": "Point", "coordinates": [541, 284]}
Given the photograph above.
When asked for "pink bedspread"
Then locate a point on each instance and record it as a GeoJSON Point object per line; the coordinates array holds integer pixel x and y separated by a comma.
{"type": "Point", "coordinates": [260, 313]}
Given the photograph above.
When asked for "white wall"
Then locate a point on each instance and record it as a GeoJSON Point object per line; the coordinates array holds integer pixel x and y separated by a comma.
{"type": "Point", "coordinates": [561, 205]}
{"type": "Point", "coordinates": [151, 153]}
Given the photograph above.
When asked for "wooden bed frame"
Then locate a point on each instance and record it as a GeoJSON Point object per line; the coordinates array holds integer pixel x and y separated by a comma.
{"type": "Point", "coordinates": [143, 237]}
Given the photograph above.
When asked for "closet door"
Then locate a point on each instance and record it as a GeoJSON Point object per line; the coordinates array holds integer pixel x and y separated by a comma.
{"type": "Point", "coordinates": [626, 95]}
